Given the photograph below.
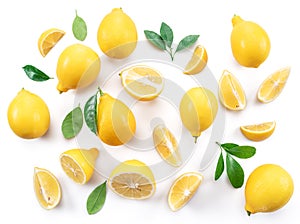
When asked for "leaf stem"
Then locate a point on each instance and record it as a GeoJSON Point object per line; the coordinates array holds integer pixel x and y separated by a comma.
{"type": "Point", "coordinates": [219, 144]}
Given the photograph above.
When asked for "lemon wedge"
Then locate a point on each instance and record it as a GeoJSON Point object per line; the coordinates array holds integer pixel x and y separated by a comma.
{"type": "Point", "coordinates": [258, 132]}
{"type": "Point", "coordinates": [49, 39]}
{"type": "Point", "coordinates": [198, 61]}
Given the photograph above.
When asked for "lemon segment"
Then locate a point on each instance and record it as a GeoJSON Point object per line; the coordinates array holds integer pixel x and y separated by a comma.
{"type": "Point", "coordinates": [142, 82]}
{"type": "Point", "coordinates": [47, 188]}
{"type": "Point", "coordinates": [272, 86]}
{"type": "Point", "coordinates": [258, 132]}
{"type": "Point", "coordinates": [198, 61]}
{"type": "Point", "coordinates": [48, 39]}
{"type": "Point", "coordinates": [231, 92]}
{"type": "Point", "coordinates": [183, 189]}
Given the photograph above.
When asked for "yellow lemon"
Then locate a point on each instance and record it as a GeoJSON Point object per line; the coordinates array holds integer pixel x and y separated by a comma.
{"type": "Point", "coordinates": [49, 39]}
{"type": "Point", "coordinates": [268, 188]}
{"type": "Point", "coordinates": [132, 179]}
{"type": "Point", "coordinates": [198, 109]}
{"type": "Point", "coordinates": [250, 44]}
{"type": "Point", "coordinates": [77, 67]}
{"type": "Point", "coordinates": [198, 61]}
{"type": "Point", "coordinates": [28, 115]}
{"type": "Point", "coordinates": [117, 34]}
{"type": "Point", "coordinates": [79, 164]}
{"type": "Point", "coordinates": [258, 132]}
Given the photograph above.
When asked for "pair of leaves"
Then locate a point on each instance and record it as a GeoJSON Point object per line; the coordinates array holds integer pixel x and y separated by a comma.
{"type": "Point", "coordinates": [79, 28]}
{"type": "Point", "coordinates": [96, 199]}
{"type": "Point", "coordinates": [35, 74]}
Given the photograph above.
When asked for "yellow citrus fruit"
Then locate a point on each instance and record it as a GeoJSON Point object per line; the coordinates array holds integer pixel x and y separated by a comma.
{"type": "Point", "coordinates": [79, 164]}
{"type": "Point", "coordinates": [49, 39]}
{"type": "Point", "coordinates": [231, 92]}
{"type": "Point", "coordinates": [198, 109]}
{"type": "Point", "coordinates": [132, 179]}
{"type": "Point", "coordinates": [250, 44]}
{"type": "Point", "coordinates": [142, 82]}
{"type": "Point", "coordinates": [198, 61]}
{"type": "Point", "coordinates": [117, 34]}
{"type": "Point", "coordinates": [258, 132]}
{"type": "Point", "coordinates": [28, 115]}
{"type": "Point", "coordinates": [269, 187]}
{"type": "Point", "coordinates": [116, 122]}
{"type": "Point", "coordinates": [272, 86]}
{"type": "Point", "coordinates": [183, 189]}
{"type": "Point", "coordinates": [47, 188]}
{"type": "Point", "coordinates": [166, 145]}
{"type": "Point", "coordinates": [77, 67]}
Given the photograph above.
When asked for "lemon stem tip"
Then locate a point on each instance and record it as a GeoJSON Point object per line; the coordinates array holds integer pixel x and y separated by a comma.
{"type": "Point", "coordinates": [249, 213]}
{"type": "Point", "coordinates": [100, 91]}
{"type": "Point", "coordinates": [196, 138]}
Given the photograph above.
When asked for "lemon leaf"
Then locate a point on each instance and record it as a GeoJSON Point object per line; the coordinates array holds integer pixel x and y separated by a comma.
{"type": "Point", "coordinates": [187, 42]}
{"type": "Point", "coordinates": [90, 113]}
{"type": "Point", "coordinates": [228, 145]}
{"type": "Point", "coordinates": [155, 39]}
{"type": "Point", "coordinates": [166, 34]}
{"type": "Point", "coordinates": [72, 123]}
{"type": "Point", "coordinates": [35, 74]}
{"type": "Point", "coordinates": [96, 199]}
{"type": "Point", "coordinates": [220, 167]}
{"type": "Point", "coordinates": [243, 152]}
{"type": "Point", "coordinates": [235, 172]}
{"type": "Point", "coordinates": [79, 28]}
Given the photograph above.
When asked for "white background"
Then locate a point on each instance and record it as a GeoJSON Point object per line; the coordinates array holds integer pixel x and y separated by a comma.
{"type": "Point", "coordinates": [21, 24]}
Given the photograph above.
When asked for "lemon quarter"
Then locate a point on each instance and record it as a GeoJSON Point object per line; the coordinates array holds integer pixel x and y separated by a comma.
{"type": "Point", "coordinates": [258, 132]}
{"type": "Point", "coordinates": [49, 39]}
{"type": "Point", "coordinates": [198, 61]}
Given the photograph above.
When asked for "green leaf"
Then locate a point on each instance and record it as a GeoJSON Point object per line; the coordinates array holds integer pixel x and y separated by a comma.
{"type": "Point", "coordinates": [243, 152]}
{"type": "Point", "coordinates": [187, 42]}
{"type": "Point", "coordinates": [96, 199]}
{"type": "Point", "coordinates": [235, 172]}
{"type": "Point", "coordinates": [90, 113]}
{"type": "Point", "coordinates": [228, 145]}
{"type": "Point", "coordinates": [72, 123]}
{"type": "Point", "coordinates": [35, 74]}
{"type": "Point", "coordinates": [220, 167]}
{"type": "Point", "coordinates": [166, 34]}
{"type": "Point", "coordinates": [155, 39]}
{"type": "Point", "coordinates": [79, 28]}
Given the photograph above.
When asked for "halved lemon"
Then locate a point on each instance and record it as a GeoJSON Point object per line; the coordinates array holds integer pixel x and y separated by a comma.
{"type": "Point", "coordinates": [183, 189]}
{"type": "Point", "coordinates": [49, 39]}
{"type": "Point", "coordinates": [132, 179]}
{"type": "Point", "coordinates": [79, 164]}
{"type": "Point", "coordinates": [272, 86]}
{"type": "Point", "coordinates": [231, 92]}
{"type": "Point", "coordinates": [47, 188]}
{"type": "Point", "coordinates": [142, 82]}
{"type": "Point", "coordinates": [258, 132]}
{"type": "Point", "coordinates": [198, 61]}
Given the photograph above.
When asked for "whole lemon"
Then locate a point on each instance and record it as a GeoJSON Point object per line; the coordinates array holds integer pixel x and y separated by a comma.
{"type": "Point", "coordinates": [78, 66]}
{"type": "Point", "coordinates": [117, 34]}
{"type": "Point", "coordinates": [198, 109]}
{"type": "Point", "coordinates": [268, 188]}
{"type": "Point", "coordinates": [28, 115]}
{"type": "Point", "coordinates": [250, 44]}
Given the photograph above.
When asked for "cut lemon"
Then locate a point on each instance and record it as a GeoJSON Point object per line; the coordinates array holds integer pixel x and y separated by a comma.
{"type": "Point", "coordinates": [272, 86]}
{"type": "Point", "coordinates": [132, 179]}
{"type": "Point", "coordinates": [198, 61]}
{"type": "Point", "coordinates": [258, 132]}
{"type": "Point", "coordinates": [79, 164]}
{"type": "Point", "coordinates": [47, 188]}
{"type": "Point", "coordinates": [183, 189]}
{"type": "Point", "coordinates": [49, 39]}
{"type": "Point", "coordinates": [142, 82]}
{"type": "Point", "coordinates": [166, 145]}
{"type": "Point", "coordinates": [231, 92]}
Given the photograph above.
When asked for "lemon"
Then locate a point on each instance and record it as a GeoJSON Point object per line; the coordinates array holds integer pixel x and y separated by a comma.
{"type": "Point", "coordinates": [166, 145]}
{"type": "Point", "coordinates": [142, 82]}
{"type": "Point", "coordinates": [198, 108]}
{"type": "Point", "coordinates": [198, 61]}
{"type": "Point", "coordinates": [183, 189]}
{"type": "Point", "coordinates": [117, 34]}
{"type": "Point", "coordinates": [132, 179]}
{"type": "Point", "coordinates": [231, 92]}
{"type": "Point", "coordinates": [49, 39]}
{"type": "Point", "coordinates": [258, 132]}
{"type": "Point", "coordinates": [250, 44]}
{"type": "Point", "coordinates": [28, 115]}
{"type": "Point", "coordinates": [77, 67]}
{"type": "Point", "coordinates": [79, 164]}
{"type": "Point", "coordinates": [47, 188]}
{"type": "Point", "coordinates": [272, 86]}
{"type": "Point", "coordinates": [268, 188]}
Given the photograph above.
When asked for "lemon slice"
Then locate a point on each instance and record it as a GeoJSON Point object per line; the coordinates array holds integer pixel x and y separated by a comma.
{"type": "Point", "coordinates": [198, 61]}
{"type": "Point", "coordinates": [142, 82]}
{"type": "Point", "coordinates": [272, 86]}
{"type": "Point", "coordinates": [166, 145]}
{"type": "Point", "coordinates": [183, 189]}
{"type": "Point", "coordinates": [47, 188]}
{"type": "Point", "coordinates": [132, 179]}
{"type": "Point", "coordinates": [231, 92]}
{"type": "Point", "coordinates": [79, 164]}
{"type": "Point", "coordinates": [258, 132]}
{"type": "Point", "coordinates": [49, 39]}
